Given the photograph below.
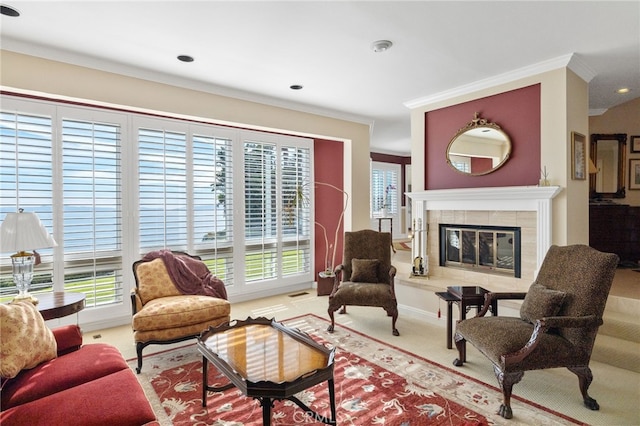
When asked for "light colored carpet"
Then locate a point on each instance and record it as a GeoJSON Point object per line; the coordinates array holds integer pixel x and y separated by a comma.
{"type": "Point", "coordinates": [616, 390]}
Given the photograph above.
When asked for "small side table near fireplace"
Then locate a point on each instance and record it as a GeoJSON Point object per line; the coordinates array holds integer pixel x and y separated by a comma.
{"type": "Point", "coordinates": [465, 297]}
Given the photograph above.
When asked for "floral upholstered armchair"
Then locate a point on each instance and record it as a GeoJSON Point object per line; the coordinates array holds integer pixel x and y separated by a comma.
{"type": "Point", "coordinates": [162, 312]}
{"type": "Point", "coordinates": [366, 276]}
{"type": "Point", "coordinates": [558, 323]}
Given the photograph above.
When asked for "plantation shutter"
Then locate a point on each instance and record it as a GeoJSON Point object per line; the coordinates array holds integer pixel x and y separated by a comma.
{"type": "Point", "coordinates": [260, 172]}
{"type": "Point", "coordinates": [26, 182]}
{"type": "Point", "coordinates": [377, 190]}
{"type": "Point", "coordinates": [296, 217]}
{"type": "Point", "coordinates": [162, 189]}
{"type": "Point", "coordinates": [384, 189]}
{"type": "Point", "coordinates": [213, 204]}
{"type": "Point", "coordinates": [92, 210]}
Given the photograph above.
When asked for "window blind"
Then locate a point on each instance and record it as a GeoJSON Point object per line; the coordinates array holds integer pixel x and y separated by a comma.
{"type": "Point", "coordinates": [92, 210]}
{"type": "Point", "coordinates": [384, 190]}
{"type": "Point", "coordinates": [260, 172]}
{"type": "Point", "coordinates": [162, 174]}
{"type": "Point", "coordinates": [213, 204]}
{"type": "Point", "coordinates": [26, 182]}
{"type": "Point", "coordinates": [296, 215]}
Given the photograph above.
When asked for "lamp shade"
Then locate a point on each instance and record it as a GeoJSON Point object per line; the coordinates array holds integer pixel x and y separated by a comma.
{"type": "Point", "coordinates": [23, 231]}
{"type": "Point", "coordinates": [592, 167]}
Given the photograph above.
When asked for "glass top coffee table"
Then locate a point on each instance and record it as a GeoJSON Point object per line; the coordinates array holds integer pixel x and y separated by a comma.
{"type": "Point", "coordinates": [267, 361]}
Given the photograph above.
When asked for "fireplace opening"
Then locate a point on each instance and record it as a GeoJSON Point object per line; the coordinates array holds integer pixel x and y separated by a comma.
{"type": "Point", "coordinates": [489, 249]}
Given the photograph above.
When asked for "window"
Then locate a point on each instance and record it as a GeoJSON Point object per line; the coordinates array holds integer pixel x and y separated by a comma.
{"type": "Point", "coordinates": [162, 166]}
{"type": "Point", "coordinates": [111, 186]}
{"type": "Point", "coordinates": [72, 180]}
{"type": "Point", "coordinates": [296, 217]}
{"type": "Point", "coordinates": [461, 163]}
{"type": "Point", "coordinates": [213, 204]}
{"type": "Point", "coordinates": [26, 182]}
{"type": "Point", "coordinates": [173, 164]}
{"type": "Point", "coordinates": [92, 212]}
{"type": "Point", "coordinates": [277, 208]}
{"type": "Point", "coordinates": [384, 188]}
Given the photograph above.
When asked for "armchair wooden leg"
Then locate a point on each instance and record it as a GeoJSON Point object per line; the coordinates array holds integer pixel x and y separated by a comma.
{"type": "Point", "coordinates": [585, 377]}
{"type": "Point", "coordinates": [139, 347]}
{"type": "Point", "coordinates": [333, 322]}
{"type": "Point", "coordinates": [506, 381]}
{"type": "Point", "coordinates": [392, 311]}
{"type": "Point", "coordinates": [461, 346]}
{"type": "Point", "coordinates": [394, 330]}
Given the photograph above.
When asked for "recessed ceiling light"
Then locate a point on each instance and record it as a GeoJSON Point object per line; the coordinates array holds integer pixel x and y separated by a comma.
{"type": "Point", "coordinates": [381, 46]}
{"type": "Point", "coordinates": [623, 90]}
{"type": "Point", "coordinates": [296, 87]}
{"type": "Point", "coordinates": [185, 58]}
{"type": "Point", "coordinates": [8, 11]}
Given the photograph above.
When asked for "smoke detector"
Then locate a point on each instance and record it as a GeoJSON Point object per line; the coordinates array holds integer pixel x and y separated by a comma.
{"type": "Point", "coordinates": [381, 46]}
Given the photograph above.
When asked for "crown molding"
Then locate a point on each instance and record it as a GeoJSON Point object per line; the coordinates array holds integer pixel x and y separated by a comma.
{"type": "Point", "coordinates": [571, 61]}
{"type": "Point", "coordinates": [580, 67]}
{"type": "Point", "coordinates": [597, 111]}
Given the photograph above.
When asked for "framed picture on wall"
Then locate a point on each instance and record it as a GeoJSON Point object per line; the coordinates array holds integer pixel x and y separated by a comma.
{"type": "Point", "coordinates": [578, 156]}
{"type": "Point", "coordinates": [635, 143]}
{"type": "Point", "coordinates": [634, 173]}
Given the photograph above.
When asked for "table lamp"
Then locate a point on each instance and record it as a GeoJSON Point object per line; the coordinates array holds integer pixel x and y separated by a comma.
{"type": "Point", "coordinates": [21, 232]}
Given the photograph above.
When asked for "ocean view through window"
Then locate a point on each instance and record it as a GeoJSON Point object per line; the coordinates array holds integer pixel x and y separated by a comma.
{"type": "Point", "coordinates": [174, 184]}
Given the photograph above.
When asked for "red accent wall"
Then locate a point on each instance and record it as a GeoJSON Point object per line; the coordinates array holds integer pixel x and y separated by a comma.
{"type": "Point", "coordinates": [480, 164]}
{"type": "Point", "coordinates": [517, 112]}
{"type": "Point", "coordinates": [328, 168]}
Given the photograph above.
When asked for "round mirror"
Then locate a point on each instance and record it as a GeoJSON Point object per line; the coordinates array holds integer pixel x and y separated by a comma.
{"type": "Point", "coordinates": [479, 148]}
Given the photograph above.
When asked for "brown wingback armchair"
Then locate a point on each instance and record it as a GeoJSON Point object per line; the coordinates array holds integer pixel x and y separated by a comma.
{"type": "Point", "coordinates": [366, 276]}
{"type": "Point", "coordinates": [559, 320]}
{"type": "Point", "coordinates": [163, 314]}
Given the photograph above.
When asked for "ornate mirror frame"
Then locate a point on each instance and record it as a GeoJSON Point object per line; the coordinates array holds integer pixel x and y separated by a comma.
{"type": "Point", "coordinates": [499, 143]}
{"type": "Point", "coordinates": [621, 138]}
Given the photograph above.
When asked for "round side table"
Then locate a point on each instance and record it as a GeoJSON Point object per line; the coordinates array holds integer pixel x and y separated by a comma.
{"type": "Point", "coordinates": [59, 304]}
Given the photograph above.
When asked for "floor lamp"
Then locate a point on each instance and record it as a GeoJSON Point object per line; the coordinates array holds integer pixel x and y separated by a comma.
{"type": "Point", "coordinates": [21, 232]}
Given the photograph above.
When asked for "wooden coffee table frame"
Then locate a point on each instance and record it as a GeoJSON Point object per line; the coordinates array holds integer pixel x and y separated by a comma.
{"type": "Point", "coordinates": [267, 391]}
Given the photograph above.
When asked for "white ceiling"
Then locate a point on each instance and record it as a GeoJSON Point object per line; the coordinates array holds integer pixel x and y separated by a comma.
{"type": "Point", "coordinates": [256, 50]}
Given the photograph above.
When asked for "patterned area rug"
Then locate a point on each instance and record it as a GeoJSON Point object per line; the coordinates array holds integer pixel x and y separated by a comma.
{"type": "Point", "coordinates": [402, 245]}
{"type": "Point", "coordinates": [375, 384]}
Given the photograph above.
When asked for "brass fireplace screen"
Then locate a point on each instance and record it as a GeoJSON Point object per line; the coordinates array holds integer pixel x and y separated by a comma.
{"type": "Point", "coordinates": [490, 249]}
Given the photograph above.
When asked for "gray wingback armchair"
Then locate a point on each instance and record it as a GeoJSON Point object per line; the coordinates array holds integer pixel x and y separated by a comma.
{"type": "Point", "coordinates": [366, 276]}
{"type": "Point", "coordinates": [558, 323]}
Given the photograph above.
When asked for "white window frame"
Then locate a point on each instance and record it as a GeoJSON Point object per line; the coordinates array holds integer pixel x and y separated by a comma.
{"type": "Point", "coordinates": [391, 176]}
{"type": "Point", "coordinates": [130, 250]}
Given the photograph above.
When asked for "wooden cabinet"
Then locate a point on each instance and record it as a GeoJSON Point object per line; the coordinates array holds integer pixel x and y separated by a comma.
{"type": "Point", "coordinates": [615, 228]}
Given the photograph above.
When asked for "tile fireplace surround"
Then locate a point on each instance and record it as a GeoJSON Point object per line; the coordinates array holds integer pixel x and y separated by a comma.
{"type": "Point", "coordinates": [528, 207]}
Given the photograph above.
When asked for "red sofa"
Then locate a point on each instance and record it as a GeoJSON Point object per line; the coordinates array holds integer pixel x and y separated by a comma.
{"type": "Point", "coordinates": [83, 385]}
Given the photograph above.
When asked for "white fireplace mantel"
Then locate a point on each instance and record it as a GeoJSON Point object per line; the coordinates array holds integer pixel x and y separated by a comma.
{"type": "Point", "coordinates": [504, 198]}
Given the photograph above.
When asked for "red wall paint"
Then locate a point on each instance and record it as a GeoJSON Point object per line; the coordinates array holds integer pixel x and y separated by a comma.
{"type": "Point", "coordinates": [328, 168]}
{"type": "Point", "coordinates": [480, 164]}
{"type": "Point", "coordinates": [517, 112]}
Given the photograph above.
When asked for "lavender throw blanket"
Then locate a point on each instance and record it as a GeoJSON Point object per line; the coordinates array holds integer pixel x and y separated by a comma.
{"type": "Point", "coordinates": [189, 275]}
